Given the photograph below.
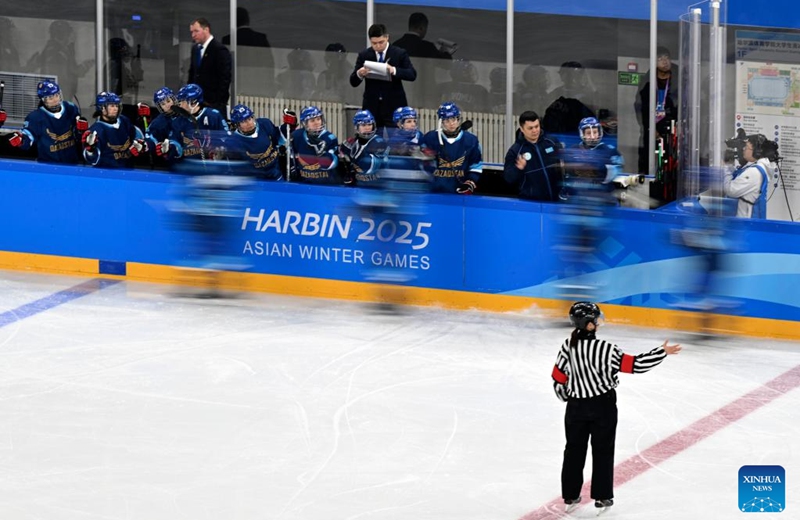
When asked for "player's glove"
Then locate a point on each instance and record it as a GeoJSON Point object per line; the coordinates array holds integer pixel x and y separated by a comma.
{"type": "Point", "coordinates": [466, 188]}
{"type": "Point", "coordinates": [162, 148]}
{"type": "Point", "coordinates": [81, 124]}
{"type": "Point", "coordinates": [290, 117]}
{"type": "Point", "coordinates": [89, 140]}
{"type": "Point", "coordinates": [138, 147]}
{"type": "Point", "coordinates": [143, 110]}
{"type": "Point", "coordinates": [3, 116]}
{"type": "Point", "coordinates": [15, 139]}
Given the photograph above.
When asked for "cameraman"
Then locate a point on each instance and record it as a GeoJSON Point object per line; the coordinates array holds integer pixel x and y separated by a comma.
{"type": "Point", "coordinates": [749, 182]}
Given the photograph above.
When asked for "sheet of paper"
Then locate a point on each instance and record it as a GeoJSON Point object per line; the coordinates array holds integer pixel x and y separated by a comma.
{"type": "Point", "coordinates": [377, 70]}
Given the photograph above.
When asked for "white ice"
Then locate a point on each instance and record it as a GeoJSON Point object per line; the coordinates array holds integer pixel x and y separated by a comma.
{"type": "Point", "coordinates": [132, 404]}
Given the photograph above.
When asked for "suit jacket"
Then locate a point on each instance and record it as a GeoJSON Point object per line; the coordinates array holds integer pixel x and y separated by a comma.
{"type": "Point", "coordinates": [247, 36]}
{"type": "Point", "coordinates": [383, 97]}
{"type": "Point", "coordinates": [419, 48]}
{"type": "Point", "coordinates": [213, 74]}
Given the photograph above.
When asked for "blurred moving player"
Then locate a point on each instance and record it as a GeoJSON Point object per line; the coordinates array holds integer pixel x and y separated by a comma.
{"type": "Point", "coordinates": [362, 156]}
{"type": "Point", "coordinates": [197, 127]}
{"type": "Point", "coordinates": [590, 167]}
{"type": "Point", "coordinates": [314, 150]}
{"type": "Point", "coordinates": [55, 127]}
{"type": "Point", "coordinates": [113, 140]}
{"type": "Point", "coordinates": [258, 140]}
{"type": "Point", "coordinates": [459, 159]}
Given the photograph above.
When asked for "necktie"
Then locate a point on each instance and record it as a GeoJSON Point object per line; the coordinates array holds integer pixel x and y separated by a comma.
{"type": "Point", "coordinates": [380, 57]}
{"type": "Point", "coordinates": [198, 54]}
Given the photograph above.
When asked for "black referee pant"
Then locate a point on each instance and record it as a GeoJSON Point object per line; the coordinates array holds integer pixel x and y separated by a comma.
{"type": "Point", "coordinates": [594, 417]}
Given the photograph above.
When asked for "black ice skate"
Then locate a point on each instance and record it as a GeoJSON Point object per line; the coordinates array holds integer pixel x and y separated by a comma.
{"type": "Point", "coordinates": [603, 505]}
{"type": "Point", "coordinates": [571, 504]}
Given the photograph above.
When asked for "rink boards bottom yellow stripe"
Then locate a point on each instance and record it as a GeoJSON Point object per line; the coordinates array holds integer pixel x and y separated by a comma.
{"type": "Point", "coordinates": [360, 291]}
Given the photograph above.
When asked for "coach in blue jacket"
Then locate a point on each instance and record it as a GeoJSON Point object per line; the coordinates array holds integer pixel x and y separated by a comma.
{"type": "Point", "coordinates": [532, 163]}
{"type": "Point", "coordinates": [382, 97]}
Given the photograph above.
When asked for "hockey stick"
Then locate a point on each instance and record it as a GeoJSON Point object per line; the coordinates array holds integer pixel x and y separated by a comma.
{"type": "Point", "coordinates": [2, 91]}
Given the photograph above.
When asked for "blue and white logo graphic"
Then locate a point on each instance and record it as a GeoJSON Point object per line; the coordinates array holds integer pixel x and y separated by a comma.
{"type": "Point", "coordinates": [762, 489]}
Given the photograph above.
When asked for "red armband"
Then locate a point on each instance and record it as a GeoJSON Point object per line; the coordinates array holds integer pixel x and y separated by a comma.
{"type": "Point", "coordinates": [559, 376]}
{"type": "Point", "coordinates": [627, 364]}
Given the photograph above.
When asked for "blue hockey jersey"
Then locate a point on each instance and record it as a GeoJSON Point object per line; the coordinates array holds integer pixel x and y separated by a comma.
{"type": "Point", "coordinates": [198, 135]}
{"type": "Point", "coordinates": [315, 159]}
{"type": "Point", "coordinates": [260, 148]}
{"type": "Point", "coordinates": [113, 143]}
{"type": "Point", "coordinates": [457, 160]}
{"type": "Point", "coordinates": [56, 138]}
{"type": "Point", "coordinates": [363, 160]}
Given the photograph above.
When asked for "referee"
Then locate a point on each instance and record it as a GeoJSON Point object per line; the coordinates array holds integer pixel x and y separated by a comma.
{"type": "Point", "coordinates": [585, 376]}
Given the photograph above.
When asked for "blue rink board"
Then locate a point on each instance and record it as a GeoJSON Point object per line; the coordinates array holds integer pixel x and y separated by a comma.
{"type": "Point", "coordinates": [477, 244]}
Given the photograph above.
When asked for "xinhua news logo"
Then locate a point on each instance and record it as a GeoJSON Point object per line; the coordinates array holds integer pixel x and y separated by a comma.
{"type": "Point", "coordinates": [762, 489]}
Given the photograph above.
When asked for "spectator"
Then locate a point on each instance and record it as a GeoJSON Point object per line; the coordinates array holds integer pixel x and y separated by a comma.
{"type": "Point", "coordinates": [58, 59]}
{"type": "Point", "coordinates": [331, 82]}
{"type": "Point", "coordinates": [532, 164]}
{"type": "Point", "coordinates": [414, 41]}
{"type": "Point", "coordinates": [383, 96]}
{"type": "Point", "coordinates": [210, 66]}
{"type": "Point", "coordinates": [298, 81]}
{"type": "Point", "coordinates": [666, 104]}
{"type": "Point", "coordinates": [464, 89]}
{"type": "Point", "coordinates": [55, 127]}
{"type": "Point", "coordinates": [459, 158]}
{"type": "Point", "coordinates": [497, 90]}
{"type": "Point", "coordinates": [531, 92]}
{"type": "Point", "coordinates": [574, 100]}
{"type": "Point", "coordinates": [245, 35]}
{"type": "Point", "coordinates": [124, 71]}
{"type": "Point", "coordinates": [9, 56]}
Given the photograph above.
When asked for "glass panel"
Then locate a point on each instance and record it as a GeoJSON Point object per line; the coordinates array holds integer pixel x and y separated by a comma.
{"type": "Point", "coordinates": [60, 46]}
{"type": "Point", "coordinates": [459, 55]}
{"type": "Point", "coordinates": [149, 45]}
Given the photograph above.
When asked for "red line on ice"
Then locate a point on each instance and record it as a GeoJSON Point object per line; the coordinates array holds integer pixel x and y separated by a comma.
{"type": "Point", "coordinates": [683, 439]}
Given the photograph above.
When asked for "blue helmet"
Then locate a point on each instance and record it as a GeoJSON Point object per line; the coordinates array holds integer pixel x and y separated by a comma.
{"type": "Point", "coordinates": [163, 94]}
{"type": "Point", "coordinates": [47, 88]}
{"type": "Point", "coordinates": [447, 110]}
{"type": "Point", "coordinates": [106, 98]}
{"type": "Point", "coordinates": [590, 122]}
{"type": "Point", "coordinates": [192, 93]}
{"type": "Point", "coordinates": [241, 113]}
{"type": "Point", "coordinates": [310, 112]}
{"type": "Point", "coordinates": [403, 113]}
{"type": "Point", "coordinates": [364, 117]}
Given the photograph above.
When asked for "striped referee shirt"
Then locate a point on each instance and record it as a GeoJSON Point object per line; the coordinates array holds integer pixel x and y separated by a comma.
{"type": "Point", "coordinates": [590, 368]}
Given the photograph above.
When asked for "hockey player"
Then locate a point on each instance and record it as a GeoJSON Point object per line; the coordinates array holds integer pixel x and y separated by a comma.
{"type": "Point", "coordinates": [590, 167]}
{"type": "Point", "coordinates": [459, 159]}
{"type": "Point", "coordinates": [258, 140]}
{"type": "Point", "coordinates": [585, 376]}
{"type": "Point", "coordinates": [159, 130]}
{"type": "Point", "coordinates": [55, 127]}
{"type": "Point", "coordinates": [362, 156]}
{"type": "Point", "coordinates": [315, 150]}
{"type": "Point", "coordinates": [198, 128]}
{"type": "Point", "coordinates": [113, 140]}
{"type": "Point", "coordinates": [406, 134]}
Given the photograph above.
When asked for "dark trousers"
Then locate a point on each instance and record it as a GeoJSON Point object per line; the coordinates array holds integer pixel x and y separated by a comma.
{"type": "Point", "coordinates": [595, 418]}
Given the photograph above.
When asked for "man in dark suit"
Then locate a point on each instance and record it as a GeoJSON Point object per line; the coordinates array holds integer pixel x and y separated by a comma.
{"type": "Point", "coordinates": [382, 97]}
{"type": "Point", "coordinates": [244, 34]}
{"type": "Point", "coordinates": [211, 66]}
{"type": "Point", "coordinates": [414, 41]}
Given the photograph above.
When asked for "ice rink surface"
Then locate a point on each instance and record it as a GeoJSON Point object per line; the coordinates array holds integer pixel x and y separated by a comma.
{"type": "Point", "coordinates": [121, 401]}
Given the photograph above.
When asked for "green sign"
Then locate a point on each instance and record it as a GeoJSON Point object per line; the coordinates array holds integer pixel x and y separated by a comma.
{"type": "Point", "coordinates": [628, 78]}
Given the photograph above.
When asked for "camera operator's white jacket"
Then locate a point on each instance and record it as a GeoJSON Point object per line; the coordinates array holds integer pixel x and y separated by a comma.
{"type": "Point", "coordinates": [747, 186]}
